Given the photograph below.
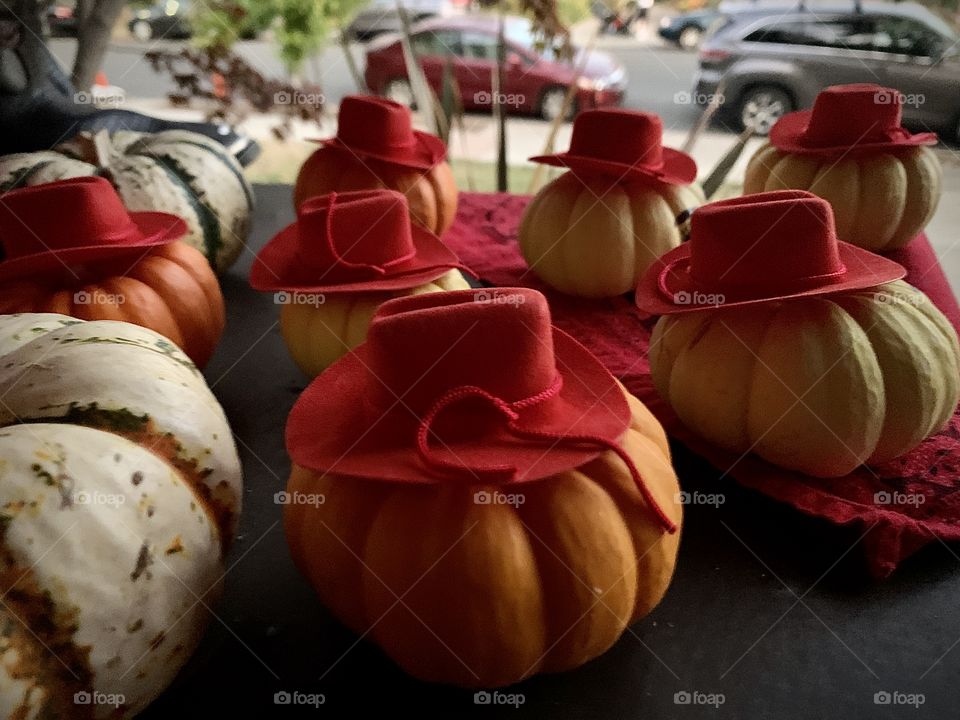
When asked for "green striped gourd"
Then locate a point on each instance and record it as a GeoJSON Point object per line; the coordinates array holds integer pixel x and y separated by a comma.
{"type": "Point", "coordinates": [173, 171]}
{"type": "Point", "coordinates": [120, 490]}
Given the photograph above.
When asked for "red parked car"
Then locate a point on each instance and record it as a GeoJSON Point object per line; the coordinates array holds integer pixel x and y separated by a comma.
{"type": "Point", "coordinates": [535, 82]}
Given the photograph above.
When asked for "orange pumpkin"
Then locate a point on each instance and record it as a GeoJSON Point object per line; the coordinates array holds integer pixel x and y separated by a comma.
{"type": "Point", "coordinates": [170, 289]}
{"type": "Point", "coordinates": [431, 194]}
{"type": "Point", "coordinates": [492, 593]}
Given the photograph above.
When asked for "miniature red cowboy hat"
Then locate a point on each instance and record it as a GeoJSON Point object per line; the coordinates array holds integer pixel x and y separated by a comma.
{"type": "Point", "coordinates": [847, 118]}
{"type": "Point", "coordinates": [80, 220]}
{"type": "Point", "coordinates": [473, 386]}
{"type": "Point", "coordinates": [381, 129]}
{"type": "Point", "coordinates": [359, 241]}
{"type": "Point", "coordinates": [624, 144]}
{"type": "Point", "coordinates": [759, 248]}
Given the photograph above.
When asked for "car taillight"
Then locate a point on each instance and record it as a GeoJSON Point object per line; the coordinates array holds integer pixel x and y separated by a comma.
{"type": "Point", "coordinates": [713, 55]}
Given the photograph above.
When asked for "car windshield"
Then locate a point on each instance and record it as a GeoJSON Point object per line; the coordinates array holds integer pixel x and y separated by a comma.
{"type": "Point", "coordinates": [520, 32]}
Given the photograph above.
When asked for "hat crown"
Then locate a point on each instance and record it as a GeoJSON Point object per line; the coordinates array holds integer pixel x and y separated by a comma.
{"type": "Point", "coordinates": [375, 125]}
{"type": "Point", "coordinates": [498, 340]}
{"type": "Point", "coordinates": [71, 213]}
{"type": "Point", "coordinates": [778, 241]}
{"type": "Point", "coordinates": [358, 233]}
{"type": "Point", "coordinates": [854, 114]}
{"type": "Point", "coordinates": [616, 135]}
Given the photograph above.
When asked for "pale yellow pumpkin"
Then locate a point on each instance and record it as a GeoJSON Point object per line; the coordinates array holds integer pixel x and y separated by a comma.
{"type": "Point", "coordinates": [587, 238]}
{"type": "Point", "coordinates": [319, 333]}
{"type": "Point", "coordinates": [880, 200]}
{"type": "Point", "coordinates": [491, 592]}
{"type": "Point", "coordinates": [818, 385]}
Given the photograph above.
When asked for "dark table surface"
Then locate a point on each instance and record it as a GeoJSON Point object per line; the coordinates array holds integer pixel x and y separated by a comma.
{"type": "Point", "coordinates": [769, 611]}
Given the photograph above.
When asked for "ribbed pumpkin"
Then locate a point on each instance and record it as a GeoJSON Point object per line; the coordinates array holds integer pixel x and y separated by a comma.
{"type": "Point", "coordinates": [431, 194]}
{"type": "Point", "coordinates": [317, 334]}
{"type": "Point", "coordinates": [880, 200]}
{"type": "Point", "coordinates": [169, 288]}
{"type": "Point", "coordinates": [120, 494]}
{"type": "Point", "coordinates": [818, 385]}
{"type": "Point", "coordinates": [173, 171]}
{"type": "Point", "coordinates": [492, 593]}
{"type": "Point", "coordinates": [587, 238]}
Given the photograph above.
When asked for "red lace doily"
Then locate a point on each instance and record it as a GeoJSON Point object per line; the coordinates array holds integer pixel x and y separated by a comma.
{"type": "Point", "coordinates": [484, 235]}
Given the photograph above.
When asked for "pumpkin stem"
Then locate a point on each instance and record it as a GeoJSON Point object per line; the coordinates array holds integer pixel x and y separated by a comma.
{"type": "Point", "coordinates": [96, 148]}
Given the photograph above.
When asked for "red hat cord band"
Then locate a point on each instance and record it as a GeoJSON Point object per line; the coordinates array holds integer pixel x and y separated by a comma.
{"type": "Point", "coordinates": [510, 410]}
{"type": "Point", "coordinates": [377, 269]}
{"type": "Point", "coordinates": [786, 285]}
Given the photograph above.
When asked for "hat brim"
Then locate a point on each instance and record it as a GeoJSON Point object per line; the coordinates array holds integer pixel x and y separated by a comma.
{"type": "Point", "coordinates": [677, 168]}
{"type": "Point", "coordinates": [425, 154]}
{"type": "Point", "coordinates": [279, 267]}
{"type": "Point", "coordinates": [153, 229]}
{"type": "Point", "coordinates": [334, 429]}
{"type": "Point", "coordinates": [789, 131]}
{"type": "Point", "coordinates": [669, 277]}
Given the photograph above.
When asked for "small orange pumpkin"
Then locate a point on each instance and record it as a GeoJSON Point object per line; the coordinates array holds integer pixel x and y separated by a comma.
{"type": "Point", "coordinates": [431, 194]}
{"type": "Point", "coordinates": [171, 289]}
{"type": "Point", "coordinates": [492, 593]}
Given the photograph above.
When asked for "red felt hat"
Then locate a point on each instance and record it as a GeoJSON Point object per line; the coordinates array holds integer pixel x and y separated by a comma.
{"type": "Point", "coordinates": [473, 386]}
{"type": "Point", "coordinates": [381, 129]}
{"type": "Point", "coordinates": [359, 241]}
{"type": "Point", "coordinates": [759, 248]}
{"type": "Point", "coordinates": [847, 118]}
{"type": "Point", "coordinates": [80, 220]}
{"type": "Point", "coordinates": [624, 144]}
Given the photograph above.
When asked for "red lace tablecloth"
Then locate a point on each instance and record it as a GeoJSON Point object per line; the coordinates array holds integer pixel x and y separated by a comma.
{"type": "Point", "coordinates": [484, 236]}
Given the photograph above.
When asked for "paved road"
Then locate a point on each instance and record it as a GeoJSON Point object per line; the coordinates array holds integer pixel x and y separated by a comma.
{"type": "Point", "coordinates": [657, 75]}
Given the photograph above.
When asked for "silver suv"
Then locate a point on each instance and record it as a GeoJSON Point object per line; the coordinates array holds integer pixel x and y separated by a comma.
{"type": "Point", "coordinates": [773, 59]}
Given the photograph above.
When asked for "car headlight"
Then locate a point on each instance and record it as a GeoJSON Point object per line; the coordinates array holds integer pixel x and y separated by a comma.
{"type": "Point", "coordinates": [585, 83]}
{"type": "Point", "coordinates": [665, 22]}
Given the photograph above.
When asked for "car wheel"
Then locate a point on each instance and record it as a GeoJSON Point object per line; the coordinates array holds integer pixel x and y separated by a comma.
{"type": "Point", "coordinates": [690, 38]}
{"type": "Point", "coordinates": [762, 106]}
{"type": "Point", "coordinates": [142, 30]}
{"type": "Point", "coordinates": [551, 104]}
{"type": "Point", "coordinates": [399, 91]}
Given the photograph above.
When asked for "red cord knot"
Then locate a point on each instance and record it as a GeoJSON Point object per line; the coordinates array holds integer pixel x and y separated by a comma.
{"type": "Point", "coordinates": [510, 410]}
